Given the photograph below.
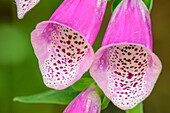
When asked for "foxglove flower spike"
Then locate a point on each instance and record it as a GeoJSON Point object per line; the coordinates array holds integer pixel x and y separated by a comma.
{"type": "Point", "coordinates": [125, 67]}
{"type": "Point", "coordinates": [63, 45]}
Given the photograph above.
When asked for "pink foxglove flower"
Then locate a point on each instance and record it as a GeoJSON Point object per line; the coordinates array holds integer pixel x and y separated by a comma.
{"type": "Point", "coordinates": [88, 101]}
{"type": "Point", "coordinates": [23, 6]}
{"type": "Point", "coordinates": [63, 45]}
{"type": "Point", "coordinates": [125, 67]}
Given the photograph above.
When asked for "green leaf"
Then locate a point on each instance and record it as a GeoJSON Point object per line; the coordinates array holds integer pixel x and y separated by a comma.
{"type": "Point", "coordinates": [148, 4]}
{"type": "Point", "coordinates": [82, 84]}
{"type": "Point", "coordinates": [86, 75]}
{"type": "Point", "coordinates": [51, 96]}
{"type": "Point", "coordinates": [105, 103]}
{"type": "Point", "coordinates": [137, 109]}
{"type": "Point", "coordinates": [114, 5]}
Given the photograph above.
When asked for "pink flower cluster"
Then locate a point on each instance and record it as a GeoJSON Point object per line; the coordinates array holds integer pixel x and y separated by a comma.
{"type": "Point", "coordinates": [125, 67]}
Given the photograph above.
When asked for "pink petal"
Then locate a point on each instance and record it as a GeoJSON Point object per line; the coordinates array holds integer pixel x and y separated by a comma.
{"type": "Point", "coordinates": [125, 68]}
{"type": "Point", "coordinates": [85, 16]}
{"type": "Point", "coordinates": [23, 6]}
{"type": "Point", "coordinates": [63, 44]}
{"type": "Point", "coordinates": [88, 101]}
{"type": "Point", "coordinates": [130, 22]}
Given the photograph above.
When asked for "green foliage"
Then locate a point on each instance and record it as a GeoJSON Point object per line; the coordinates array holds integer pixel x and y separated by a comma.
{"type": "Point", "coordinates": [148, 4]}
{"type": "Point", "coordinates": [115, 3]}
{"type": "Point", "coordinates": [105, 103]}
{"type": "Point", "coordinates": [12, 50]}
{"type": "Point", "coordinates": [104, 100]}
{"type": "Point", "coordinates": [87, 75]}
{"type": "Point", "coordinates": [82, 84]}
{"type": "Point", "coordinates": [137, 109]}
{"type": "Point", "coordinates": [51, 96]}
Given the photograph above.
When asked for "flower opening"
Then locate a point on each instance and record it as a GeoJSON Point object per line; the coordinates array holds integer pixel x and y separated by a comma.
{"type": "Point", "coordinates": [63, 45]}
{"type": "Point", "coordinates": [125, 67]}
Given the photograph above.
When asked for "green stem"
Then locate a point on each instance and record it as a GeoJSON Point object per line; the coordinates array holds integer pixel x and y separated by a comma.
{"type": "Point", "coordinates": [137, 109]}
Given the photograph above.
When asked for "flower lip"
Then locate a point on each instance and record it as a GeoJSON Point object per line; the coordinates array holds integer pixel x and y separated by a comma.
{"type": "Point", "coordinates": [24, 6]}
{"type": "Point", "coordinates": [127, 81]}
{"type": "Point", "coordinates": [64, 54]}
{"type": "Point", "coordinates": [55, 22]}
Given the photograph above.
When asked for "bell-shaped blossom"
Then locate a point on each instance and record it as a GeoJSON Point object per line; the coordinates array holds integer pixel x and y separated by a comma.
{"type": "Point", "coordinates": [125, 67]}
{"type": "Point", "coordinates": [63, 45]}
{"type": "Point", "coordinates": [88, 101]}
{"type": "Point", "coordinates": [23, 6]}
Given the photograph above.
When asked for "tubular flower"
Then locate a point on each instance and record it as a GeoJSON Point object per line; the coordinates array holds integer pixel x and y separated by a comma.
{"type": "Point", "coordinates": [23, 6]}
{"type": "Point", "coordinates": [88, 101]}
{"type": "Point", "coordinates": [125, 67]}
{"type": "Point", "coordinates": [63, 45]}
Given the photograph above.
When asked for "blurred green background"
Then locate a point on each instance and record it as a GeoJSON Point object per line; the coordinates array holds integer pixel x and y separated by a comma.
{"type": "Point", "coordinates": [19, 72]}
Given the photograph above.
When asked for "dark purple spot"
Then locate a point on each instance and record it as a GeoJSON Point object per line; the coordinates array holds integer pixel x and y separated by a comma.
{"type": "Point", "coordinates": [70, 61]}
{"type": "Point", "coordinates": [68, 54]}
{"type": "Point", "coordinates": [61, 41]}
{"type": "Point", "coordinates": [135, 84]}
{"type": "Point", "coordinates": [121, 85]}
{"type": "Point", "coordinates": [78, 49]}
{"type": "Point", "coordinates": [57, 50]}
{"type": "Point", "coordinates": [68, 42]}
{"type": "Point", "coordinates": [126, 88]}
{"type": "Point", "coordinates": [139, 63]}
{"type": "Point", "coordinates": [59, 47]}
{"type": "Point", "coordinates": [63, 50]}
{"type": "Point", "coordinates": [135, 61]}
{"type": "Point", "coordinates": [85, 47]}
{"type": "Point", "coordinates": [59, 55]}
{"type": "Point", "coordinates": [118, 73]}
{"type": "Point", "coordinates": [59, 62]}
{"type": "Point", "coordinates": [74, 37]}
{"type": "Point", "coordinates": [69, 37]}
{"type": "Point", "coordinates": [82, 52]}
{"type": "Point", "coordinates": [130, 75]}
{"type": "Point", "coordinates": [56, 68]}
{"type": "Point", "coordinates": [61, 67]}
{"type": "Point", "coordinates": [54, 64]}
{"type": "Point", "coordinates": [75, 42]}
{"type": "Point", "coordinates": [129, 53]}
